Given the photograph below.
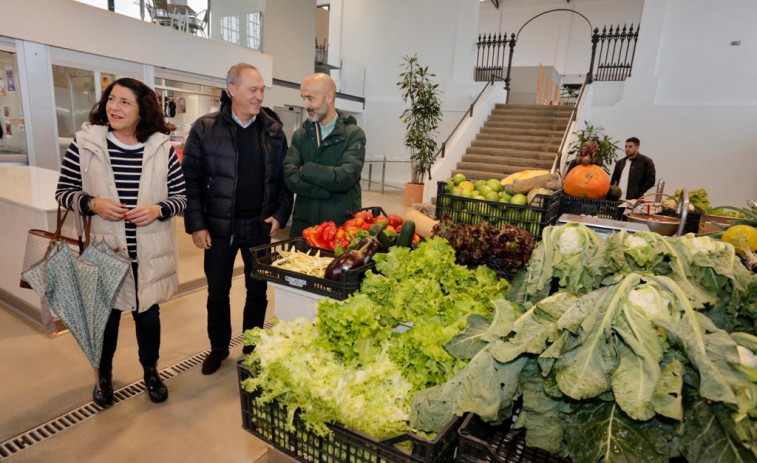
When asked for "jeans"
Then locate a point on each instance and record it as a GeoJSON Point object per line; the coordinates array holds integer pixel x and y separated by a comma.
{"type": "Point", "coordinates": [219, 266]}
{"type": "Point", "coordinates": [147, 325]}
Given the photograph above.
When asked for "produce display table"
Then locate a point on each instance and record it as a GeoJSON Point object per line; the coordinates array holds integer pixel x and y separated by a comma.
{"type": "Point", "coordinates": [291, 303]}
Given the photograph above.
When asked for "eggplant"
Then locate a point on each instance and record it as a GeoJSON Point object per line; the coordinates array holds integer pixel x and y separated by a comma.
{"type": "Point", "coordinates": [369, 246]}
{"type": "Point", "coordinates": [350, 260]}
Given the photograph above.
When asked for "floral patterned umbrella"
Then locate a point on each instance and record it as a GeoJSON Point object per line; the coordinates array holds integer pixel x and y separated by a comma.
{"type": "Point", "coordinates": [80, 290]}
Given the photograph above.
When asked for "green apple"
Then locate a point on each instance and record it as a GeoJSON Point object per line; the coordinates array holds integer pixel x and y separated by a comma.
{"type": "Point", "coordinates": [458, 179]}
{"type": "Point", "coordinates": [480, 183]}
{"type": "Point", "coordinates": [456, 191]}
{"type": "Point", "coordinates": [504, 200]}
{"type": "Point", "coordinates": [519, 199]}
{"type": "Point", "coordinates": [484, 190]}
{"type": "Point", "coordinates": [465, 193]}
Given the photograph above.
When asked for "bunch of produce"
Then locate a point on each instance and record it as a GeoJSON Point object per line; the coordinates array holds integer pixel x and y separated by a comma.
{"type": "Point", "coordinates": [520, 188]}
{"type": "Point", "coordinates": [505, 249]}
{"type": "Point", "coordinates": [303, 262]}
{"type": "Point", "coordinates": [328, 235]}
{"type": "Point", "coordinates": [364, 357]}
{"type": "Point", "coordinates": [638, 348]}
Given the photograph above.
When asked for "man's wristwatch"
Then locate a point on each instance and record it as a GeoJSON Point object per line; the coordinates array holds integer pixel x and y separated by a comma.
{"type": "Point", "coordinates": [91, 204]}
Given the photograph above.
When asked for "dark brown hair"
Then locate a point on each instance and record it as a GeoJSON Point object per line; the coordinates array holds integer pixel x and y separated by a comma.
{"type": "Point", "coordinates": [634, 140]}
{"type": "Point", "coordinates": [151, 118]}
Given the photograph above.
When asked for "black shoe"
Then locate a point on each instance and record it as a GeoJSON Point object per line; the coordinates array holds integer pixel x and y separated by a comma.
{"type": "Point", "coordinates": [157, 391]}
{"type": "Point", "coordinates": [102, 394]}
{"type": "Point", "coordinates": [247, 350]}
{"type": "Point", "coordinates": [213, 361]}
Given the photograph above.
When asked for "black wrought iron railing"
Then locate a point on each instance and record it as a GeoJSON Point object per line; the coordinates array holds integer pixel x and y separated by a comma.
{"type": "Point", "coordinates": [617, 48]}
{"type": "Point", "coordinates": [569, 94]}
{"type": "Point", "coordinates": [492, 58]}
{"type": "Point", "coordinates": [321, 51]}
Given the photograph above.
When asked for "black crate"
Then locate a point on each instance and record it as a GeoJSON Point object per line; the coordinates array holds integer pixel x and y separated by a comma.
{"type": "Point", "coordinates": [692, 220]}
{"type": "Point", "coordinates": [482, 442]}
{"type": "Point", "coordinates": [603, 208]}
{"type": "Point", "coordinates": [264, 256]}
{"type": "Point", "coordinates": [534, 217]}
{"type": "Point", "coordinates": [268, 422]}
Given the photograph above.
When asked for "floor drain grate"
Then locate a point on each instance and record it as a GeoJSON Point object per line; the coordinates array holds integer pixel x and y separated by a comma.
{"type": "Point", "coordinates": [57, 425]}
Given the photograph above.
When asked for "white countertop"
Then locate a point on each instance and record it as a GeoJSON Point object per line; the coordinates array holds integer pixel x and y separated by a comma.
{"type": "Point", "coordinates": [32, 187]}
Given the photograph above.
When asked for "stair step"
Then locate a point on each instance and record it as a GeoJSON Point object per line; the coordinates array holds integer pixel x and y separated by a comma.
{"type": "Point", "coordinates": [503, 130]}
{"type": "Point", "coordinates": [532, 112]}
{"type": "Point", "coordinates": [473, 162]}
{"type": "Point", "coordinates": [474, 175]}
{"type": "Point", "coordinates": [489, 159]}
{"type": "Point", "coordinates": [542, 120]}
{"type": "Point", "coordinates": [532, 107]}
{"type": "Point", "coordinates": [519, 137]}
{"type": "Point", "coordinates": [507, 152]}
{"type": "Point", "coordinates": [524, 125]}
{"type": "Point", "coordinates": [532, 145]}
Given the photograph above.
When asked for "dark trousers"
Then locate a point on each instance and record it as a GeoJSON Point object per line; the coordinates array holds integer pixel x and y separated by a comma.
{"type": "Point", "coordinates": [219, 267]}
{"type": "Point", "coordinates": [148, 335]}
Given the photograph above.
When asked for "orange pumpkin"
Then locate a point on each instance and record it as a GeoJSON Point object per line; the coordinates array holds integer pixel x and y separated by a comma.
{"type": "Point", "coordinates": [587, 181]}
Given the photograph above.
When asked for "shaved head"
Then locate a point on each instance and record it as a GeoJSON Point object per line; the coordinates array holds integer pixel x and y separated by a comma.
{"type": "Point", "coordinates": [318, 93]}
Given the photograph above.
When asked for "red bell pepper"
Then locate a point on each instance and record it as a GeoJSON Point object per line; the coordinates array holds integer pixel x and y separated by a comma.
{"type": "Point", "coordinates": [395, 221]}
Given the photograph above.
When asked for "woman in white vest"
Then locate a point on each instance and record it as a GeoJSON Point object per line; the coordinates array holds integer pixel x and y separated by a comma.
{"type": "Point", "coordinates": [131, 182]}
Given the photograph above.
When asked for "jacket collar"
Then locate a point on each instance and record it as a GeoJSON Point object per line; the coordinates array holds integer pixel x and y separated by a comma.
{"type": "Point", "coordinates": [341, 122]}
{"type": "Point", "coordinates": [94, 138]}
{"type": "Point", "coordinates": [268, 118]}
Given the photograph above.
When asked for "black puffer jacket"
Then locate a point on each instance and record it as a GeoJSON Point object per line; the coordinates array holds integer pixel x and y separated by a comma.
{"type": "Point", "coordinates": [210, 171]}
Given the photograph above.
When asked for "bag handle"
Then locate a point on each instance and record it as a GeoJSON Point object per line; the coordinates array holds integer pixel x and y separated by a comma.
{"type": "Point", "coordinates": [83, 222]}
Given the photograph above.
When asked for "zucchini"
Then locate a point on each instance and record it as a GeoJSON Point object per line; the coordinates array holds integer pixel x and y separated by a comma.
{"type": "Point", "coordinates": [386, 240]}
{"type": "Point", "coordinates": [377, 228]}
{"type": "Point", "coordinates": [405, 238]}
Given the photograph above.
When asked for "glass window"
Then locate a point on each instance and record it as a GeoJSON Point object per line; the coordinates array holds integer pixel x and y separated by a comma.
{"type": "Point", "coordinates": [230, 29]}
{"type": "Point", "coordinates": [12, 133]}
{"type": "Point", "coordinates": [254, 30]}
{"type": "Point", "coordinates": [75, 96]}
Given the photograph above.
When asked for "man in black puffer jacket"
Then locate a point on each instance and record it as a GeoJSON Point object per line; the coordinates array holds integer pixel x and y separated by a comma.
{"type": "Point", "coordinates": [236, 198]}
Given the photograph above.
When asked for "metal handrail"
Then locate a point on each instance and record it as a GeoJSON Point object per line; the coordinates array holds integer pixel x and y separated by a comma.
{"type": "Point", "coordinates": [567, 129]}
{"type": "Point", "coordinates": [383, 162]}
{"type": "Point", "coordinates": [468, 113]}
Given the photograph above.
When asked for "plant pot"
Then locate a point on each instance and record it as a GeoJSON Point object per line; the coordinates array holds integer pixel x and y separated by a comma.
{"type": "Point", "coordinates": [413, 193]}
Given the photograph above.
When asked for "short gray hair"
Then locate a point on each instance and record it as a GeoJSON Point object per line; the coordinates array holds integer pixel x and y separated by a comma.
{"type": "Point", "coordinates": [233, 75]}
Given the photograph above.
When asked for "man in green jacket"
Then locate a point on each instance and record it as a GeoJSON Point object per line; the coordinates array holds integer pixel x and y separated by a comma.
{"type": "Point", "coordinates": [325, 160]}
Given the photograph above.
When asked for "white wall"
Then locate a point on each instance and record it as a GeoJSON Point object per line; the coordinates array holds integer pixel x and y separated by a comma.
{"type": "Point", "coordinates": [101, 32]}
{"type": "Point", "coordinates": [691, 98]}
{"type": "Point", "coordinates": [289, 36]}
{"type": "Point", "coordinates": [441, 32]}
{"type": "Point", "coordinates": [561, 39]}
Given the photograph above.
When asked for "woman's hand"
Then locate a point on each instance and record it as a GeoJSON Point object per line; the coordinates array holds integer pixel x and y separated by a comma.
{"type": "Point", "coordinates": [108, 209]}
{"type": "Point", "coordinates": [143, 215]}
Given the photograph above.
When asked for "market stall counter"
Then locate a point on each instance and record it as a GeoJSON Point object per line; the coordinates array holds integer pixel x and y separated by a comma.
{"type": "Point", "coordinates": [27, 201]}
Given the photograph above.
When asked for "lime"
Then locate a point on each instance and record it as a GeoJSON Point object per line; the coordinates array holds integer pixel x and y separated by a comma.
{"type": "Point", "coordinates": [494, 184]}
{"type": "Point", "coordinates": [519, 199]}
{"type": "Point", "coordinates": [492, 196]}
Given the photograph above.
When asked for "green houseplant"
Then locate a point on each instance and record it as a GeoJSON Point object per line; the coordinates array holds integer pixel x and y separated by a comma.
{"type": "Point", "coordinates": [592, 141]}
{"type": "Point", "coordinates": [421, 117]}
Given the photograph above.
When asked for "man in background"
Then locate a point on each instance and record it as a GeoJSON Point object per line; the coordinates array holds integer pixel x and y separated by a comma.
{"type": "Point", "coordinates": [324, 162]}
{"type": "Point", "coordinates": [634, 174]}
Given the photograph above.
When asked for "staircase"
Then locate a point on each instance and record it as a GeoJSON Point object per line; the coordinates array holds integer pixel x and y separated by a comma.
{"type": "Point", "coordinates": [515, 137]}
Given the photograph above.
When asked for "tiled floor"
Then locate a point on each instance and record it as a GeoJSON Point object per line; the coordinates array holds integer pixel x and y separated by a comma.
{"type": "Point", "coordinates": [44, 378]}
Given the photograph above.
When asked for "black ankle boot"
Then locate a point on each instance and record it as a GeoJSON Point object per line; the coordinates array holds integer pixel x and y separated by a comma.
{"type": "Point", "coordinates": [102, 395]}
{"type": "Point", "coordinates": [157, 391]}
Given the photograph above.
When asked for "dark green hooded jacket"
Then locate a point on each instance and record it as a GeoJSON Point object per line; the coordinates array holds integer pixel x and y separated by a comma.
{"type": "Point", "coordinates": [326, 178]}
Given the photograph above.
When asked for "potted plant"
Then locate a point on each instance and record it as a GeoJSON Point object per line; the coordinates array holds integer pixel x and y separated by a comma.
{"type": "Point", "coordinates": [588, 169]}
{"type": "Point", "coordinates": [593, 142]}
{"type": "Point", "coordinates": [421, 119]}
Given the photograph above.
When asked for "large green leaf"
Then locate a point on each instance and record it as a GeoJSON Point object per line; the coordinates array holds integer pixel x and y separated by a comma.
{"type": "Point", "coordinates": [480, 332]}
{"type": "Point", "coordinates": [484, 387]}
{"type": "Point", "coordinates": [601, 432]}
{"type": "Point", "coordinates": [541, 417]}
{"type": "Point", "coordinates": [705, 440]}
{"type": "Point", "coordinates": [534, 328]}
{"type": "Point", "coordinates": [584, 371]}
{"type": "Point", "coordinates": [668, 392]}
